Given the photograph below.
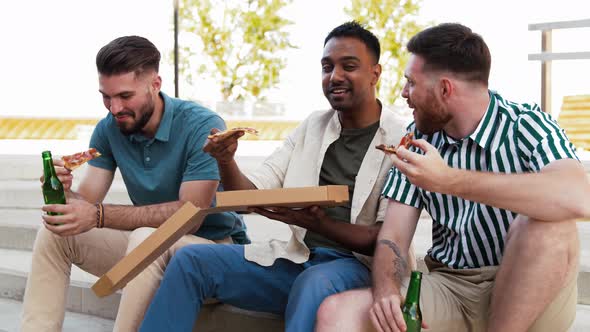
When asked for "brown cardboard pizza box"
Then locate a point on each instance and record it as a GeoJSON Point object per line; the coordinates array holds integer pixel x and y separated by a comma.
{"type": "Point", "coordinates": [190, 216]}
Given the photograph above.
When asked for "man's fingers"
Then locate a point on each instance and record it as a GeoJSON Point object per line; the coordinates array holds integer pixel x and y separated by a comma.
{"type": "Point", "coordinates": [423, 145]}
{"type": "Point", "coordinates": [218, 145]}
{"type": "Point", "coordinates": [65, 178]}
{"type": "Point", "coordinates": [61, 230]}
{"type": "Point", "coordinates": [58, 162]}
{"type": "Point", "coordinates": [316, 211]}
{"type": "Point", "coordinates": [375, 321]}
{"type": "Point", "coordinates": [381, 316]}
{"type": "Point", "coordinates": [275, 213]}
{"type": "Point", "coordinates": [401, 165]}
{"type": "Point", "coordinates": [208, 146]}
{"type": "Point", "coordinates": [407, 155]}
{"type": "Point", "coordinates": [59, 208]}
{"type": "Point", "coordinates": [390, 319]}
{"type": "Point", "coordinates": [58, 219]}
{"type": "Point", "coordinates": [397, 316]}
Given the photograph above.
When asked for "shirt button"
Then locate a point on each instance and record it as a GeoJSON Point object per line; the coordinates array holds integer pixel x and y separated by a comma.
{"type": "Point", "coordinates": [147, 159]}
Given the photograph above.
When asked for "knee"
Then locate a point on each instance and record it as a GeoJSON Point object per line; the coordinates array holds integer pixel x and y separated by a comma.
{"type": "Point", "coordinates": [544, 234]}
{"type": "Point", "coordinates": [558, 239]}
{"type": "Point", "coordinates": [46, 240]}
{"type": "Point", "coordinates": [328, 311]}
{"type": "Point", "coordinates": [315, 284]}
{"type": "Point", "coordinates": [191, 258]}
{"type": "Point", "coordinates": [137, 236]}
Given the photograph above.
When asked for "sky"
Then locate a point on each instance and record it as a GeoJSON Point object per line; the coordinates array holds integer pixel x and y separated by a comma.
{"type": "Point", "coordinates": [47, 58]}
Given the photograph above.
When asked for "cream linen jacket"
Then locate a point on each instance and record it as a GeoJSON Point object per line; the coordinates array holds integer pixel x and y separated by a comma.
{"type": "Point", "coordinates": [297, 163]}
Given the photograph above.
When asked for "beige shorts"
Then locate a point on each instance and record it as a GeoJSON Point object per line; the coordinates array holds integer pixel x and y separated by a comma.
{"type": "Point", "coordinates": [458, 300]}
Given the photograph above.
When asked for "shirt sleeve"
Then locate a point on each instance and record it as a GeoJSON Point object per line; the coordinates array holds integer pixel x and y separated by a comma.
{"type": "Point", "coordinates": [200, 165]}
{"type": "Point", "coordinates": [271, 174]}
{"type": "Point", "coordinates": [541, 141]}
{"type": "Point", "coordinates": [100, 142]}
{"type": "Point", "coordinates": [398, 187]}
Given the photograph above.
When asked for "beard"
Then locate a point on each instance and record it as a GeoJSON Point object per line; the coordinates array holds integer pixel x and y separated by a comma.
{"type": "Point", "coordinates": [145, 112]}
{"type": "Point", "coordinates": [431, 116]}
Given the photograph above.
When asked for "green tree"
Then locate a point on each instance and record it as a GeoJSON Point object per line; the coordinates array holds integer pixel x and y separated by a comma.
{"type": "Point", "coordinates": [394, 23]}
{"type": "Point", "coordinates": [240, 44]}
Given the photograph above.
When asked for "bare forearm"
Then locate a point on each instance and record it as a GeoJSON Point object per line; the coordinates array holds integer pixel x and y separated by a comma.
{"type": "Point", "coordinates": [358, 238]}
{"type": "Point", "coordinates": [232, 177]}
{"type": "Point", "coordinates": [542, 196]}
{"type": "Point", "coordinates": [76, 195]}
{"type": "Point", "coordinates": [390, 266]}
{"type": "Point", "coordinates": [131, 217]}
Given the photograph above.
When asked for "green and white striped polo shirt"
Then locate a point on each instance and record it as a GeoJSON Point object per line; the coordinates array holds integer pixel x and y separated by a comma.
{"type": "Point", "coordinates": [511, 138]}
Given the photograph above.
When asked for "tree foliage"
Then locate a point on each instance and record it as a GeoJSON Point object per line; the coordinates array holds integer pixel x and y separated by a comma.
{"type": "Point", "coordinates": [394, 23]}
{"type": "Point", "coordinates": [239, 44]}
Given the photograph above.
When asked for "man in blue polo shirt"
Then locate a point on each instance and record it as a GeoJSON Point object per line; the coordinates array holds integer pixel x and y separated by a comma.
{"type": "Point", "coordinates": [156, 142]}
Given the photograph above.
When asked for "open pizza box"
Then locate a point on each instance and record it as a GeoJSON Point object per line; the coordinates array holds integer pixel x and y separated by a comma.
{"type": "Point", "coordinates": [188, 216]}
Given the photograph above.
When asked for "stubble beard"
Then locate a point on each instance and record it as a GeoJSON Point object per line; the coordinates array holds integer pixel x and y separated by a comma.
{"type": "Point", "coordinates": [432, 117]}
{"type": "Point", "coordinates": [146, 112]}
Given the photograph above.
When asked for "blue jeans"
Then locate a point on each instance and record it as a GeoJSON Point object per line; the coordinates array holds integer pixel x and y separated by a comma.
{"type": "Point", "coordinates": [202, 271]}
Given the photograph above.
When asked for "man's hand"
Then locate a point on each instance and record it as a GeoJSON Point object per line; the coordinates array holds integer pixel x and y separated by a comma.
{"type": "Point", "coordinates": [308, 218]}
{"type": "Point", "coordinates": [64, 175]}
{"type": "Point", "coordinates": [386, 313]}
{"type": "Point", "coordinates": [78, 216]}
{"type": "Point", "coordinates": [222, 149]}
{"type": "Point", "coordinates": [429, 171]}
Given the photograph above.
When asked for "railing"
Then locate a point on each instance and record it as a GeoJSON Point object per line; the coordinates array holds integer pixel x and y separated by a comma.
{"type": "Point", "coordinates": [546, 55]}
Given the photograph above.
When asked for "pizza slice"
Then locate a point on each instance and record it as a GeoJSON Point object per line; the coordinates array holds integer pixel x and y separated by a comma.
{"type": "Point", "coordinates": [76, 160]}
{"type": "Point", "coordinates": [229, 132]}
{"type": "Point", "coordinates": [406, 142]}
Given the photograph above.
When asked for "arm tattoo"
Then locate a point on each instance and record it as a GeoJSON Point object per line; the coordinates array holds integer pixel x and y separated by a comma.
{"type": "Point", "coordinates": [400, 265]}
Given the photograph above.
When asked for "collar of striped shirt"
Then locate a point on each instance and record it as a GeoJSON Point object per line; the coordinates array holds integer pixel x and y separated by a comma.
{"type": "Point", "coordinates": [486, 130]}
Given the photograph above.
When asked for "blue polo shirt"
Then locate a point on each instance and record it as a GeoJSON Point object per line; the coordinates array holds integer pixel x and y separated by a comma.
{"type": "Point", "coordinates": [154, 168]}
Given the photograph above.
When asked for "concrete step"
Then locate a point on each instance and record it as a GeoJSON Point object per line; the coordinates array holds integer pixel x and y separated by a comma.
{"type": "Point", "coordinates": [10, 311]}
{"type": "Point", "coordinates": [15, 267]}
{"type": "Point", "coordinates": [26, 194]}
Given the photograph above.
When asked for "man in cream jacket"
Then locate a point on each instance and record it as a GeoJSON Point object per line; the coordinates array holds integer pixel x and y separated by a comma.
{"type": "Point", "coordinates": [328, 249]}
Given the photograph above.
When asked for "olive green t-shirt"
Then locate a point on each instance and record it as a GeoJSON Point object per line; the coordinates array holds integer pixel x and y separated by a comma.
{"type": "Point", "coordinates": [341, 164]}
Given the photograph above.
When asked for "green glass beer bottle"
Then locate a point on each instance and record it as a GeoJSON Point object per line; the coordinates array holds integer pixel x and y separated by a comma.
{"type": "Point", "coordinates": [53, 190]}
{"type": "Point", "coordinates": [411, 309]}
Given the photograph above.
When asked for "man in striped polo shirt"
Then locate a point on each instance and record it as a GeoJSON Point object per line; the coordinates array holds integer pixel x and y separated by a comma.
{"type": "Point", "coordinates": [503, 186]}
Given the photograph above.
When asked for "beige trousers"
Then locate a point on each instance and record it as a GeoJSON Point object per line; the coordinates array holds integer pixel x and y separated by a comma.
{"type": "Point", "coordinates": [458, 300]}
{"type": "Point", "coordinates": [95, 251]}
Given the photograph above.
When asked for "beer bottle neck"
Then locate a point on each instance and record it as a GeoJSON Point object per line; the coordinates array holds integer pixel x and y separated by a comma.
{"type": "Point", "coordinates": [413, 295]}
{"type": "Point", "coordinates": [48, 169]}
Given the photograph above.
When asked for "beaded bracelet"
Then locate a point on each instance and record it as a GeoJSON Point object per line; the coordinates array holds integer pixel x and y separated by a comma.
{"type": "Point", "coordinates": [99, 215]}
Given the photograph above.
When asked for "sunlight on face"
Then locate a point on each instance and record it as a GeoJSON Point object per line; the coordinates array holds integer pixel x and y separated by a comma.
{"type": "Point", "coordinates": [348, 76]}
{"type": "Point", "coordinates": [429, 112]}
{"type": "Point", "coordinates": [129, 98]}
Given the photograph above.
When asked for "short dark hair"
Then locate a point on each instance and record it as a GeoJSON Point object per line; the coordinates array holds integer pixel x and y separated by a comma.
{"type": "Point", "coordinates": [453, 47]}
{"type": "Point", "coordinates": [356, 30]}
{"type": "Point", "coordinates": [128, 54]}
